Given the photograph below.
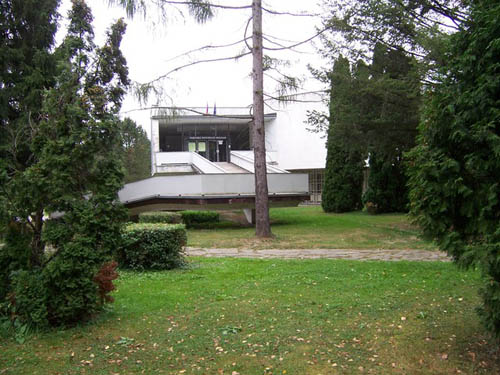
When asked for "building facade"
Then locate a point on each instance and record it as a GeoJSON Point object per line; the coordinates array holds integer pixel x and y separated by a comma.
{"type": "Point", "coordinates": [197, 141]}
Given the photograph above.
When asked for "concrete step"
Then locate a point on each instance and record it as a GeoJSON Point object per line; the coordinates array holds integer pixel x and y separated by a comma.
{"type": "Point", "coordinates": [231, 168]}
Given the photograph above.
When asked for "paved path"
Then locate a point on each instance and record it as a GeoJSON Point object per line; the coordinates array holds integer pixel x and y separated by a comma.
{"type": "Point", "coordinates": [392, 255]}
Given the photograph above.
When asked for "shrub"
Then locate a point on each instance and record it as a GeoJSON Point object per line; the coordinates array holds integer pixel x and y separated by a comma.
{"type": "Point", "coordinates": [199, 218]}
{"type": "Point", "coordinates": [153, 246]}
{"type": "Point", "coordinates": [14, 255]}
{"type": "Point", "coordinates": [72, 294]}
{"type": "Point", "coordinates": [28, 299]}
{"type": "Point", "coordinates": [104, 280]}
{"type": "Point", "coordinates": [160, 217]}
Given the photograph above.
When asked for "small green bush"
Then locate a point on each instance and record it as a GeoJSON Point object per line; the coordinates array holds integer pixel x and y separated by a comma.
{"type": "Point", "coordinates": [194, 219]}
{"type": "Point", "coordinates": [29, 298]}
{"type": "Point", "coordinates": [63, 290]}
{"type": "Point", "coordinates": [160, 217]}
{"type": "Point", "coordinates": [14, 255]}
{"type": "Point", "coordinates": [153, 246]}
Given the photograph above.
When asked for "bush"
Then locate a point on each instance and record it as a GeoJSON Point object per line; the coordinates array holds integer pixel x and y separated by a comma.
{"type": "Point", "coordinates": [104, 280]}
{"type": "Point", "coordinates": [65, 289]}
{"type": "Point", "coordinates": [160, 217]}
{"type": "Point", "coordinates": [194, 219]}
{"type": "Point", "coordinates": [28, 300]}
{"type": "Point", "coordinates": [72, 294]}
{"type": "Point", "coordinates": [14, 255]}
{"type": "Point", "coordinates": [153, 246]}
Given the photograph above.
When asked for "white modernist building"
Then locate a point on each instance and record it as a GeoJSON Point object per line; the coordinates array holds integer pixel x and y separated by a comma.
{"type": "Point", "coordinates": [203, 158]}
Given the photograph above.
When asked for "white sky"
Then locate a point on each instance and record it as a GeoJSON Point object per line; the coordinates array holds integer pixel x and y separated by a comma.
{"type": "Point", "coordinates": [149, 50]}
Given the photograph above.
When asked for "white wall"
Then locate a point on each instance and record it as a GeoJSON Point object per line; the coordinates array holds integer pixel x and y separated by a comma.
{"type": "Point", "coordinates": [212, 185]}
{"type": "Point", "coordinates": [287, 138]}
{"type": "Point", "coordinates": [295, 146]}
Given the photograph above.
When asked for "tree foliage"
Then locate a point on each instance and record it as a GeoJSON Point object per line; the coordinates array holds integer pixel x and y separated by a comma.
{"type": "Point", "coordinates": [374, 110]}
{"type": "Point", "coordinates": [344, 162]}
{"type": "Point", "coordinates": [69, 166]}
{"type": "Point", "coordinates": [420, 27]}
{"type": "Point", "coordinates": [390, 105]}
{"type": "Point", "coordinates": [389, 102]}
{"type": "Point", "coordinates": [136, 151]}
{"type": "Point", "coordinates": [455, 168]}
{"type": "Point", "coordinates": [387, 190]}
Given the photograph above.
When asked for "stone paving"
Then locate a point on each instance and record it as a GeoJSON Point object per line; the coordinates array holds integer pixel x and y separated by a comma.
{"type": "Point", "coordinates": [386, 255]}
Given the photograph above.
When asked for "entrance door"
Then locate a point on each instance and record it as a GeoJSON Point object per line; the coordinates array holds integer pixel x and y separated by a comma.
{"type": "Point", "coordinates": [217, 150]}
{"type": "Point", "coordinates": [222, 150]}
{"type": "Point", "coordinates": [214, 150]}
{"type": "Point", "coordinates": [199, 147]}
{"type": "Point", "coordinates": [213, 154]}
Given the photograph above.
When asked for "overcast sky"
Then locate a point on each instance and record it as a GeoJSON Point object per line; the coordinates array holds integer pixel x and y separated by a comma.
{"type": "Point", "coordinates": [150, 48]}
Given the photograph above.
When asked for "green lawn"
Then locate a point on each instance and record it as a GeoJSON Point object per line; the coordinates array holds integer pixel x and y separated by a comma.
{"type": "Point", "coordinates": [242, 316]}
{"type": "Point", "coordinates": [310, 227]}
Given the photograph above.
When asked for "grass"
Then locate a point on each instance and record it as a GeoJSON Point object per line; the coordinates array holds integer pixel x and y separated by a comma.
{"type": "Point", "coordinates": [250, 316]}
{"type": "Point", "coordinates": [310, 227]}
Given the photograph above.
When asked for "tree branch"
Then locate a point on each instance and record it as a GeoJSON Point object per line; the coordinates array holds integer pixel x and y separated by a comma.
{"type": "Point", "coordinates": [207, 47]}
{"type": "Point", "coordinates": [196, 63]}
{"type": "Point", "coordinates": [271, 11]}
{"type": "Point", "coordinates": [299, 43]}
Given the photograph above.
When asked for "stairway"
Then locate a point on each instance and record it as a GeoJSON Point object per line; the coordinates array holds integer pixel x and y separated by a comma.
{"type": "Point", "coordinates": [231, 168]}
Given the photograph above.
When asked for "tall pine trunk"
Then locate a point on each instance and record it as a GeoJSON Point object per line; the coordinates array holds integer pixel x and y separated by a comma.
{"type": "Point", "coordinates": [262, 226]}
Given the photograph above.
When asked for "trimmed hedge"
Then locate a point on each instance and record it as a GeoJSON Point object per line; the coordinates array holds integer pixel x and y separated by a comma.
{"type": "Point", "coordinates": [160, 217]}
{"type": "Point", "coordinates": [199, 218]}
{"type": "Point", "coordinates": [153, 246]}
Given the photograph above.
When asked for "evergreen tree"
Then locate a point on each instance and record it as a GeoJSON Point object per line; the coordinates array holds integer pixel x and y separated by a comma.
{"type": "Point", "coordinates": [391, 103]}
{"type": "Point", "coordinates": [390, 114]}
{"type": "Point", "coordinates": [455, 168]}
{"type": "Point", "coordinates": [27, 68]}
{"type": "Point", "coordinates": [387, 190]}
{"type": "Point", "coordinates": [344, 166]}
{"type": "Point", "coordinates": [136, 152]}
{"type": "Point", "coordinates": [74, 168]}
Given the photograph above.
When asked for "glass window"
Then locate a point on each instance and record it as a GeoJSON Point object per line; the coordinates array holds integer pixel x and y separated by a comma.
{"type": "Point", "coordinates": [202, 147]}
{"type": "Point", "coordinates": [192, 146]}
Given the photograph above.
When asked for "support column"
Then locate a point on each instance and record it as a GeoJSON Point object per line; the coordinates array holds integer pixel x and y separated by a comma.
{"type": "Point", "coordinates": [250, 215]}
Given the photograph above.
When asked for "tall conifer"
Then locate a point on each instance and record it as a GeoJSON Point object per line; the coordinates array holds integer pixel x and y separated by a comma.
{"type": "Point", "coordinates": [344, 167]}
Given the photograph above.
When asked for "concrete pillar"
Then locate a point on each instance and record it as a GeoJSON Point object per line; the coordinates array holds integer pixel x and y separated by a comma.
{"type": "Point", "coordinates": [250, 215]}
